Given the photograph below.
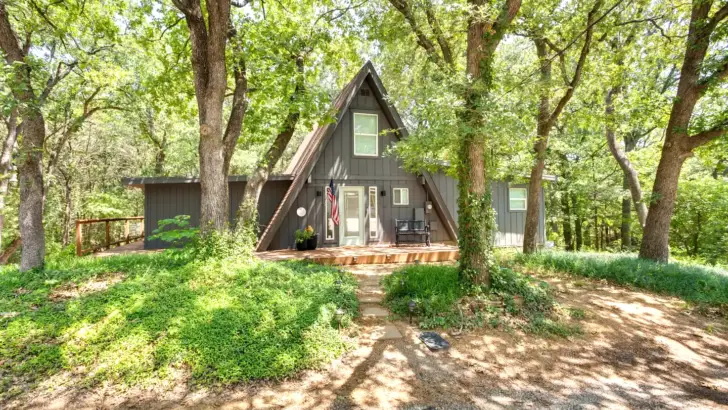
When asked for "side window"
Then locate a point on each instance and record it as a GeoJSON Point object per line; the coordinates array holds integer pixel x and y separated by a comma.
{"type": "Point", "coordinates": [517, 199]}
{"type": "Point", "coordinates": [400, 196]}
{"type": "Point", "coordinates": [366, 137]}
{"type": "Point", "coordinates": [373, 223]}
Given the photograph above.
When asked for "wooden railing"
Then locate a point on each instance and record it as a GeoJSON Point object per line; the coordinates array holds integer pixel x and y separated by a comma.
{"type": "Point", "coordinates": [105, 241]}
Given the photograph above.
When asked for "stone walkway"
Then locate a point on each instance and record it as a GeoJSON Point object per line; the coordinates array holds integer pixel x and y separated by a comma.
{"type": "Point", "coordinates": [371, 298]}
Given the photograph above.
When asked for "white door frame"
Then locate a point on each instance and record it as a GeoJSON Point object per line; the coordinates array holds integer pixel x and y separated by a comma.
{"type": "Point", "coordinates": [361, 238]}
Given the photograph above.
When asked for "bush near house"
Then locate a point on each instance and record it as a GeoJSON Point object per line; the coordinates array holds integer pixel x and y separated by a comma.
{"type": "Point", "coordinates": [693, 283]}
{"type": "Point", "coordinates": [514, 300]}
{"type": "Point", "coordinates": [143, 318]}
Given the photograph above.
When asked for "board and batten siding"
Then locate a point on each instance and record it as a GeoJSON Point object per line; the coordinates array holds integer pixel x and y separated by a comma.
{"type": "Point", "coordinates": [511, 224]}
{"type": "Point", "coordinates": [165, 201]}
{"type": "Point", "coordinates": [338, 162]}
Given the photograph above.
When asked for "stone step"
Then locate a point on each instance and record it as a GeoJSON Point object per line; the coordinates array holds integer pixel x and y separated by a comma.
{"type": "Point", "coordinates": [371, 298]}
{"type": "Point", "coordinates": [386, 332]}
{"type": "Point", "coordinates": [374, 311]}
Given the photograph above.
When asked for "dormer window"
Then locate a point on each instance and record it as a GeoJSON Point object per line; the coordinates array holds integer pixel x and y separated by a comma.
{"type": "Point", "coordinates": [366, 137]}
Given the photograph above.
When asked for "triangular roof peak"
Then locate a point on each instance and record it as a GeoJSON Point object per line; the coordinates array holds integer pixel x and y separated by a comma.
{"type": "Point", "coordinates": [313, 145]}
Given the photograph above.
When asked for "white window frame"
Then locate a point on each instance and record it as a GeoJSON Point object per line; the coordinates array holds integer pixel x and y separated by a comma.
{"type": "Point", "coordinates": [525, 199]}
{"type": "Point", "coordinates": [376, 135]}
{"type": "Point", "coordinates": [400, 196]}
{"type": "Point", "coordinates": [327, 215]}
{"type": "Point", "coordinates": [373, 221]}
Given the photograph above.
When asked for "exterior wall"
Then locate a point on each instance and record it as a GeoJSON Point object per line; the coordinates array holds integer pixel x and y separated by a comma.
{"type": "Point", "coordinates": [511, 224]}
{"type": "Point", "coordinates": [164, 201]}
{"type": "Point", "coordinates": [338, 162]}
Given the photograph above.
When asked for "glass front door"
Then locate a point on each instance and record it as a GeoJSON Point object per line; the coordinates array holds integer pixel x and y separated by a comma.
{"type": "Point", "coordinates": [352, 211]}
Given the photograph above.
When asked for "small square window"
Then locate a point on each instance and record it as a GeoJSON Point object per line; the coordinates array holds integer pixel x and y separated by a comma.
{"type": "Point", "coordinates": [400, 196]}
{"type": "Point", "coordinates": [366, 135]}
{"type": "Point", "coordinates": [517, 198]}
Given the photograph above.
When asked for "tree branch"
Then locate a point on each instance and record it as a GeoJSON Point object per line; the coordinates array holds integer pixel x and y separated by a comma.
{"type": "Point", "coordinates": [704, 137]}
{"type": "Point", "coordinates": [720, 74]}
{"type": "Point", "coordinates": [579, 65]}
{"type": "Point", "coordinates": [439, 36]}
{"type": "Point", "coordinates": [237, 113]}
{"type": "Point", "coordinates": [56, 78]}
{"type": "Point", "coordinates": [498, 30]}
{"type": "Point", "coordinates": [404, 8]}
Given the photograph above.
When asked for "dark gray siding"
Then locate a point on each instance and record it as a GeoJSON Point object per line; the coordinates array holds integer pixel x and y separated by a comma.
{"type": "Point", "coordinates": [510, 224]}
{"type": "Point", "coordinates": [164, 201]}
{"type": "Point", "coordinates": [338, 162]}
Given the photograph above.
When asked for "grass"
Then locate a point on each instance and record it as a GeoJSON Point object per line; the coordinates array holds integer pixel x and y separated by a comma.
{"type": "Point", "coordinates": [693, 283]}
{"type": "Point", "coordinates": [514, 300]}
{"type": "Point", "coordinates": [221, 321]}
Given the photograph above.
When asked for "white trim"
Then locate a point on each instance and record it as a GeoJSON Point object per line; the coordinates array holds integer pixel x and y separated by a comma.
{"type": "Point", "coordinates": [352, 240]}
{"type": "Point", "coordinates": [401, 203]}
{"type": "Point", "coordinates": [373, 221]}
{"type": "Point", "coordinates": [376, 135]}
{"type": "Point", "coordinates": [524, 199]}
{"type": "Point", "coordinates": [327, 216]}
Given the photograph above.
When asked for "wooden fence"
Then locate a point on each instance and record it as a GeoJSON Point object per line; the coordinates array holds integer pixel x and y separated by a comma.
{"type": "Point", "coordinates": [103, 239]}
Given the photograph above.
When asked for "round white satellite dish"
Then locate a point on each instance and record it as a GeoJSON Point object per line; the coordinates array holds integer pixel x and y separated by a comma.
{"type": "Point", "coordinates": [301, 211]}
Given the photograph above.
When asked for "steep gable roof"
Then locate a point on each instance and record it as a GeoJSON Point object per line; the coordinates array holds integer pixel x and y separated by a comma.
{"type": "Point", "coordinates": [308, 153]}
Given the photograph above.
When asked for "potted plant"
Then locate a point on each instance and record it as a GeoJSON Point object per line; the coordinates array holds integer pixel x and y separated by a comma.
{"type": "Point", "coordinates": [302, 237]}
{"type": "Point", "coordinates": [312, 240]}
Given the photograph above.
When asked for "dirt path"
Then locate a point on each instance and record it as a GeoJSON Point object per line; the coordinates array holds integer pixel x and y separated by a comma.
{"type": "Point", "coordinates": [638, 351]}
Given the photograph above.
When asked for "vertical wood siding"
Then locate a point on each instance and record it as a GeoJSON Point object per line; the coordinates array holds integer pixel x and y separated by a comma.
{"type": "Point", "coordinates": [165, 201]}
{"type": "Point", "coordinates": [511, 224]}
{"type": "Point", "coordinates": [338, 162]}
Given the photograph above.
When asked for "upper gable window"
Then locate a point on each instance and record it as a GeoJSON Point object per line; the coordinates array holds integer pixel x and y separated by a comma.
{"type": "Point", "coordinates": [366, 138]}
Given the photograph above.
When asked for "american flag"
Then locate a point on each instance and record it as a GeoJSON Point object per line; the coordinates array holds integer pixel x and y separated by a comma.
{"type": "Point", "coordinates": [334, 206]}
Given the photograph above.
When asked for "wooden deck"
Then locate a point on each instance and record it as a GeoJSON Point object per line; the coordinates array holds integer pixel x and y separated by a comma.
{"type": "Point", "coordinates": [343, 255]}
{"type": "Point", "coordinates": [364, 255]}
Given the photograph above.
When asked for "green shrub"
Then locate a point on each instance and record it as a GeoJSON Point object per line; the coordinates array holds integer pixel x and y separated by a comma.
{"type": "Point", "coordinates": [224, 320]}
{"type": "Point", "coordinates": [693, 283]}
{"type": "Point", "coordinates": [442, 301]}
{"type": "Point", "coordinates": [187, 240]}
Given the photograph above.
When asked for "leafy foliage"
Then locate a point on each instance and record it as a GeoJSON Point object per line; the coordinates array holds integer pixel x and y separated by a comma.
{"type": "Point", "coordinates": [693, 283]}
{"type": "Point", "coordinates": [138, 318]}
{"type": "Point", "coordinates": [514, 300]}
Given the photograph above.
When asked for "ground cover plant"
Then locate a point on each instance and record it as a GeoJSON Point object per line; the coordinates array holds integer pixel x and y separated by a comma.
{"type": "Point", "coordinates": [441, 300]}
{"type": "Point", "coordinates": [143, 318]}
{"type": "Point", "coordinates": [693, 283]}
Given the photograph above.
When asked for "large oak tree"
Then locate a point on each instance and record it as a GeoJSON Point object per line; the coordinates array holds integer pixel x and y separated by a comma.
{"type": "Point", "coordinates": [701, 71]}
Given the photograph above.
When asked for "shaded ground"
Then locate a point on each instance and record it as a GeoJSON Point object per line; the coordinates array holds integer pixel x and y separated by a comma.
{"type": "Point", "coordinates": [639, 351]}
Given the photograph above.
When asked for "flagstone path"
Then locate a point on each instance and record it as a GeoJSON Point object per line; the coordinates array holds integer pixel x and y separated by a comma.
{"type": "Point", "coordinates": [371, 299]}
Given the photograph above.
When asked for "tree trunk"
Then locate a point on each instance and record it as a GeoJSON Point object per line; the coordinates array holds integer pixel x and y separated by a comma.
{"type": "Point", "coordinates": [543, 128]}
{"type": "Point", "coordinates": [10, 250]}
{"type": "Point", "coordinates": [248, 210]}
{"type": "Point", "coordinates": [6, 162]}
{"type": "Point", "coordinates": [566, 209]}
{"type": "Point", "coordinates": [30, 213]}
{"type": "Point", "coordinates": [696, 237]}
{"type": "Point", "coordinates": [208, 40]}
{"type": "Point", "coordinates": [596, 229]}
{"type": "Point", "coordinates": [625, 228]}
{"type": "Point", "coordinates": [66, 237]}
{"type": "Point", "coordinates": [476, 218]}
{"type": "Point", "coordinates": [656, 238]}
{"type": "Point", "coordinates": [149, 129]}
{"type": "Point", "coordinates": [578, 222]}
{"type": "Point", "coordinates": [630, 174]}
